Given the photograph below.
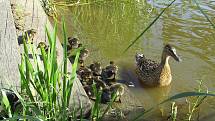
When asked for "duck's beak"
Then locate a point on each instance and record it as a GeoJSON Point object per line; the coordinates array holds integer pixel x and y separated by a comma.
{"type": "Point", "coordinates": [175, 56]}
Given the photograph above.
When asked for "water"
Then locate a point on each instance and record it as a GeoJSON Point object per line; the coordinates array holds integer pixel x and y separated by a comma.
{"type": "Point", "coordinates": [108, 28]}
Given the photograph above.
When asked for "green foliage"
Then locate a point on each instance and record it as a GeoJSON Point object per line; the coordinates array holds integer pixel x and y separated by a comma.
{"type": "Point", "coordinates": [45, 82]}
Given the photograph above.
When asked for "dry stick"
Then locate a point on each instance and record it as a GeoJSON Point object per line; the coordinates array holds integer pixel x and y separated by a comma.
{"type": "Point", "coordinates": [148, 26]}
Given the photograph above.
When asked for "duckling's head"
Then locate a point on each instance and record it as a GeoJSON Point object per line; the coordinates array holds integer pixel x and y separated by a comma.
{"type": "Point", "coordinates": [96, 68]}
{"type": "Point", "coordinates": [73, 42]}
{"type": "Point", "coordinates": [170, 51]}
{"type": "Point", "coordinates": [31, 32]}
{"type": "Point", "coordinates": [86, 74]}
{"type": "Point", "coordinates": [110, 71]}
{"type": "Point", "coordinates": [42, 44]}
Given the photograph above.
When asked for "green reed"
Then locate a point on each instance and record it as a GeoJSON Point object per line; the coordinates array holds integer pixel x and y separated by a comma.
{"type": "Point", "coordinates": [174, 112]}
{"type": "Point", "coordinates": [46, 85]}
{"type": "Point", "coordinates": [199, 95]}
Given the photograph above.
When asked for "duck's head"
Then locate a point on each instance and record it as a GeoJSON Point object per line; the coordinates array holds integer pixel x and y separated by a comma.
{"type": "Point", "coordinates": [170, 51]}
{"type": "Point", "coordinates": [139, 57]}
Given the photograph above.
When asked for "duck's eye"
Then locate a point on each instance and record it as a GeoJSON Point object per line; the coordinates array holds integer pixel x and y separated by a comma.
{"type": "Point", "coordinates": [173, 50]}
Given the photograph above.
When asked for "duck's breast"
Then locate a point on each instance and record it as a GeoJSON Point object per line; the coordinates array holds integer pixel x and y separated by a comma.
{"type": "Point", "coordinates": [165, 76]}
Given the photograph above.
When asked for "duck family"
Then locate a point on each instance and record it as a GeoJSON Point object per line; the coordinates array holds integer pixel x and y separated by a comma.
{"type": "Point", "coordinates": [149, 73]}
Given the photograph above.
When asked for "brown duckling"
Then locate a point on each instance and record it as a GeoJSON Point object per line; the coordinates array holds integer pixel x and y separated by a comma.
{"type": "Point", "coordinates": [84, 53]}
{"type": "Point", "coordinates": [30, 34]}
{"type": "Point", "coordinates": [96, 68]}
{"type": "Point", "coordinates": [100, 85]}
{"type": "Point", "coordinates": [43, 45]}
{"type": "Point", "coordinates": [13, 100]}
{"type": "Point", "coordinates": [106, 95]}
{"type": "Point", "coordinates": [73, 43]}
{"type": "Point", "coordinates": [46, 47]}
{"type": "Point", "coordinates": [109, 73]}
{"type": "Point", "coordinates": [118, 89]}
{"type": "Point", "coordinates": [85, 75]}
{"type": "Point", "coordinates": [89, 90]}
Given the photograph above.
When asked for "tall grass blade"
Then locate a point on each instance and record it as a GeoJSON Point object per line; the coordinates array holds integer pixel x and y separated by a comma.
{"type": "Point", "coordinates": [132, 43]}
{"type": "Point", "coordinates": [73, 76]}
{"type": "Point", "coordinates": [206, 16]}
{"type": "Point", "coordinates": [64, 63]}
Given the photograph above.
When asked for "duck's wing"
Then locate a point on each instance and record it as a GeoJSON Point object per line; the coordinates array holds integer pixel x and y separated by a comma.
{"type": "Point", "coordinates": [148, 66]}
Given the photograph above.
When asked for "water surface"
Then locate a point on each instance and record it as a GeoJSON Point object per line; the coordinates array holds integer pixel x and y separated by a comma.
{"type": "Point", "coordinates": [107, 28]}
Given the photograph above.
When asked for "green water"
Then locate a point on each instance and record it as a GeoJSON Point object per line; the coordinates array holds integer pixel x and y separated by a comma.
{"type": "Point", "coordinates": [107, 28]}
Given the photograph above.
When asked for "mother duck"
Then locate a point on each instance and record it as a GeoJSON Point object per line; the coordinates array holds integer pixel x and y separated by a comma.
{"type": "Point", "coordinates": [151, 73]}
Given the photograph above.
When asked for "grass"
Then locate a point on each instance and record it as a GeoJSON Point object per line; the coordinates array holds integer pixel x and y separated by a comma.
{"type": "Point", "coordinates": [46, 85]}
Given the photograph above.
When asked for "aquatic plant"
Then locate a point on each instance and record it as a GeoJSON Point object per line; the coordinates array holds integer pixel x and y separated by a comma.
{"type": "Point", "coordinates": [200, 96]}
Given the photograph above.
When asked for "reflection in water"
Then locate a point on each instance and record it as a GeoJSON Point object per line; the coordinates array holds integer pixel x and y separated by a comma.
{"type": "Point", "coordinates": [108, 28]}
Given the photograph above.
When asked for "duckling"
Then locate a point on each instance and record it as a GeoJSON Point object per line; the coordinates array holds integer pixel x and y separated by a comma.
{"type": "Point", "coordinates": [96, 68]}
{"type": "Point", "coordinates": [43, 45]}
{"type": "Point", "coordinates": [13, 99]}
{"type": "Point", "coordinates": [109, 73]}
{"type": "Point", "coordinates": [85, 75]}
{"type": "Point", "coordinates": [84, 53]}
{"type": "Point", "coordinates": [151, 73]}
{"type": "Point", "coordinates": [89, 90]}
{"type": "Point", "coordinates": [106, 95]}
{"type": "Point", "coordinates": [117, 89]}
{"type": "Point", "coordinates": [30, 34]}
{"type": "Point", "coordinates": [73, 43]}
{"type": "Point", "coordinates": [100, 85]}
